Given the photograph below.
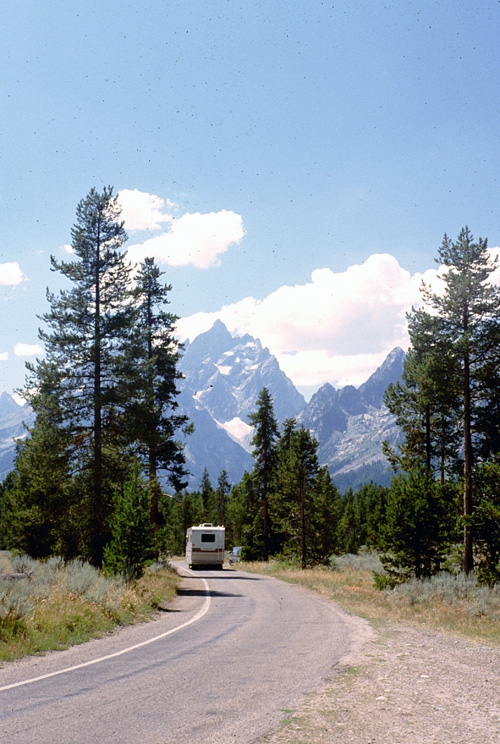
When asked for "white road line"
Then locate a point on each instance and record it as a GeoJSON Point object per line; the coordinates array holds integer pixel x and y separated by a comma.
{"type": "Point", "coordinates": [195, 618]}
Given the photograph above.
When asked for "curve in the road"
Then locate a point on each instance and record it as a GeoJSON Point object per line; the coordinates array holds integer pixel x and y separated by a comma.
{"type": "Point", "coordinates": [201, 612]}
{"type": "Point", "coordinates": [260, 648]}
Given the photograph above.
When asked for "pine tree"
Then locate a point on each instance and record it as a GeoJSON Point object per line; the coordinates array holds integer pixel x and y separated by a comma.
{"type": "Point", "coordinates": [419, 526]}
{"type": "Point", "coordinates": [191, 511]}
{"type": "Point", "coordinates": [151, 407]}
{"type": "Point", "coordinates": [176, 514]}
{"type": "Point", "coordinates": [426, 400]}
{"type": "Point", "coordinates": [469, 311]}
{"type": "Point", "coordinates": [264, 453]}
{"type": "Point", "coordinates": [326, 516]}
{"type": "Point", "coordinates": [237, 516]}
{"type": "Point", "coordinates": [351, 537]}
{"type": "Point", "coordinates": [221, 498]}
{"type": "Point", "coordinates": [485, 522]}
{"type": "Point", "coordinates": [4, 486]}
{"type": "Point", "coordinates": [294, 493]}
{"type": "Point", "coordinates": [86, 367]}
{"type": "Point", "coordinates": [364, 516]}
{"type": "Point", "coordinates": [451, 383]}
{"type": "Point", "coordinates": [132, 545]}
{"type": "Point", "coordinates": [42, 515]}
{"type": "Point", "coordinates": [207, 495]}
{"type": "Point", "coordinates": [246, 513]}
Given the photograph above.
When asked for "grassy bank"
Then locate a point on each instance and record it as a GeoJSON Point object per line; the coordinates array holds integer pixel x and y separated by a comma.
{"type": "Point", "coordinates": [61, 605]}
{"type": "Point", "coordinates": [454, 604]}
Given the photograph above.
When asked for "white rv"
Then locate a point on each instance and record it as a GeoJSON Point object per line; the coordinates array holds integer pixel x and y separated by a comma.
{"type": "Point", "coordinates": [205, 546]}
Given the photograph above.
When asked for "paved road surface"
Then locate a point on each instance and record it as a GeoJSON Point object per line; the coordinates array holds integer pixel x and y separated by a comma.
{"type": "Point", "coordinates": [243, 653]}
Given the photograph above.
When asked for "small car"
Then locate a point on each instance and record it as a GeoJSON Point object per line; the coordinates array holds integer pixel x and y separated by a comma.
{"type": "Point", "coordinates": [235, 555]}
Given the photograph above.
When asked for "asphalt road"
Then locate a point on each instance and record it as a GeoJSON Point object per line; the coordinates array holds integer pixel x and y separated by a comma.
{"type": "Point", "coordinates": [235, 651]}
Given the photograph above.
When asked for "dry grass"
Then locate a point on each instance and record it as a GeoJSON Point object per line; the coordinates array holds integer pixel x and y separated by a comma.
{"type": "Point", "coordinates": [65, 605]}
{"type": "Point", "coordinates": [448, 603]}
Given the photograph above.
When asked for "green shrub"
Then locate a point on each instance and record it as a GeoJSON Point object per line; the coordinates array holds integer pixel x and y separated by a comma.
{"type": "Point", "coordinates": [132, 545]}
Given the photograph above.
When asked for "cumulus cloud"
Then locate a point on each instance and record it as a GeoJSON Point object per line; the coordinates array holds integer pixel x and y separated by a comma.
{"type": "Point", "coordinates": [10, 273]}
{"type": "Point", "coordinates": [193, 239]}
{"type": "Point", "coordinates": [25, 350]}
{"type": "Point", "coordinates": [4, 356]}
{"type": "Point", "coordinates": [336, 328]}
{"type": "Point", "coordinates": [143, 211]}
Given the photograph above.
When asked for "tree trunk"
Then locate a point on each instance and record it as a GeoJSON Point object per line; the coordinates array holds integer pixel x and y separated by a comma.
{"type": "Point", "coordinates": [266, 528]}
{"type": "Point", "coordinates": [468, 561]}
{"type": "Point", "coordinates": [443, 455]}
{"type": "Point", "coordinates": [428, 446]}
{"type": "Point", "coordinates": [302, 523]}
{"type": "Point", "coordinates": [155, 489]}
{"type": "Point", "coordinates": [266, 507]}
{"type": "Point", "coordinates": [97, 526]}
{"type": "Point", "coordinates": [153, 482]}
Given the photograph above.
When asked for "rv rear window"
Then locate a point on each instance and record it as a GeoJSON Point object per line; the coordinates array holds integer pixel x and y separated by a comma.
{"type": "Point", "coordinates": [207, 537]}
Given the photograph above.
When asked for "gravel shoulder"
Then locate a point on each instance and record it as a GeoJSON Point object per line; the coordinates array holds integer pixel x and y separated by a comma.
{"type": "Point", "coordinates": [403, 685]}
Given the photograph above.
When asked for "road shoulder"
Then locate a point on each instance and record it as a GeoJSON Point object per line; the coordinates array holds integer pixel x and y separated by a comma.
{"type": "Point", "coordinates": [405, 684]}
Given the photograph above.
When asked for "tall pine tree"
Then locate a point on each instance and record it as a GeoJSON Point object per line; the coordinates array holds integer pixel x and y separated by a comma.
{"type": "Point", "coordinates": [426, 400]}
{"type": "Point", "coordinates": [454, 375]}
{"type": "Point", "coordinates": [152, 417]}
{"type": "Point", "coordinates": [469, 310]}
{"type": "Point", "coordinates": [295, 495]}
{"type": "Point", "coordinates": [86, 367]}
{"type": "Point", "coordinates": [264, 453]}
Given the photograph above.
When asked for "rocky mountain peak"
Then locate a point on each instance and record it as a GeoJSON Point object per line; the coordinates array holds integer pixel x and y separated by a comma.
{"type": "Point", "coordinates": [210, 344]}
{"type": "Point", "coordinates": [223, 376]}
{"type": "Point", "coordinates": [372, 391]}
{"type": "Point", "coordinates": [8, 405]}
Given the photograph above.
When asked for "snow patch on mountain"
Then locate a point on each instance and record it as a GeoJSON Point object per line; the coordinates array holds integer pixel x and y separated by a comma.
{"type": "Point", "coordinates": [239, 431]}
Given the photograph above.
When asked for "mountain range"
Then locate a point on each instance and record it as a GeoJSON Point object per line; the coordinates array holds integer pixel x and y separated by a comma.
{"type": "Point", "coordinates": [222, 378]}
{"type": "Point", "coordinates": [352, 423]}
{"type": "Point", "coordinates": [12, 416]}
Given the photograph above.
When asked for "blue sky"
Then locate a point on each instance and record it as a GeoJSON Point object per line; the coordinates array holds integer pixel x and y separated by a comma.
{"type": "Point", "coordinates": [296, 163]}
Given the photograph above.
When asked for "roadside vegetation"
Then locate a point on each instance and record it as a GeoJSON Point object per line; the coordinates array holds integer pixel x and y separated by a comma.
{"type": "Point", "coordinates": [453, 603]}
{"type": "Point", "coordinates": [60, 605]}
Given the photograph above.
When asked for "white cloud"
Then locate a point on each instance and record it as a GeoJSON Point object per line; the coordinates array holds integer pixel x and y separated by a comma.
{"type": "Point", "coordinates": [68, 249]}
{"type": "Point", "coordinates": [25, 350]}
{"type": "Point", "coordinates": [10, 273]}
{"type": "Point", "coordinates": [4, 356]}
{"type": "Point", "coordinates": [336, 328]}
{"type": "Point", "coordinates": [143, 211]}
{"type": "Point", "coordinates": [192, 240]}
{"type": "Point", "coordinates": [310, 369]}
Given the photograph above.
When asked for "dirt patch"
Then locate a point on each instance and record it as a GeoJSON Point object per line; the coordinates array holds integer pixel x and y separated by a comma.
{"type": "Point", "coordinates": [406, 686]}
